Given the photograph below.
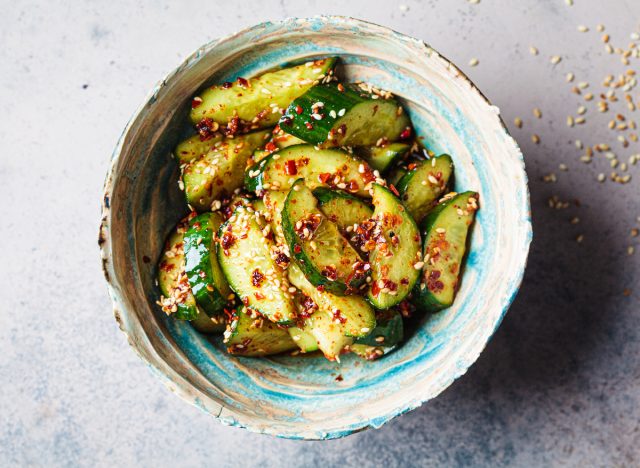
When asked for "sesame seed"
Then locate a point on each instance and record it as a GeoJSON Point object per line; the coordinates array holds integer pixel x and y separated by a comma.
{"type": "Point", "coordinates": [583, 28]}
{"type": "Point", "coordinates": [535, 138]}
{"type": "Point", "coordinates": [575, 220]}
{"type": "Point", "coordinates": [570, 76]}
{"type": "Point", "coordinates": [601, 177]}
{"type": "Point", "coordinates": [570, 121]}
{"type": "Point", "coordinates": [533, 50]}
{"type": "Point", "coordinates": [473, 62]}
{"type": "Point", "coordinates": [630, 250]}
{"type": "Point", "coordinates": [341, 112]}
{"type": "Point", "coordinates": [600, 27]}
{"type": "Point", "coordinates": [517, 121]}
{"type": "Point", "coordinates": [556, 59]}
{"type": "Point", "coordinates": [441, 230]}
{"type": "Point", "coordinates": [537, 113]}
{"type": "Point", "coordinates": [580, 238]}
{"type": "Point", "coordinates": [418, 265]}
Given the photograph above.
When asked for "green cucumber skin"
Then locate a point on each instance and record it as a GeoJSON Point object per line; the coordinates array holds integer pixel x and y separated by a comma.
{"type": "Point", "coordinates": [410, 238]}
{"type": "Point", "coordinates": [221, 102]}
{"type": "Point", "coordinates": [390, 327]}
{"type": "Point", "coordinates": [337, 115]}
{"type": "Point", "coordinates": [206, 324]}
{"type": "Point", "coordinates": [423, 298]}
{"type": "Point", "coordinates": [170, 269]}
{"type": "Point", "coordinates": [299, 251]}
{"type": "Point", "coordinates": [383, 158]}
{"type": "Point", "coordinates": [419, 198]}
{"type": "Point", "coordinates": [341, 207]}
{"type": "Point", "coordinates": [354, 171]}
{"type": "Point", "coordinates": [210, 291]}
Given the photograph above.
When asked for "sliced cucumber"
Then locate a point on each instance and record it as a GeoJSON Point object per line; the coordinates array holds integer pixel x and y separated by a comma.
{"type": "Point", "coordinates": [324, 255]}
{"type": "Point", "coordinates": [281, 139]}
{"type": "Point", "coordinates": [385, 157]}
{"type": "Point", "coordinates": [206, 279]}
{"type": "Point", "coordinates": [388, 332]}
{"type": "Point", "coordinates": [343, 209]}
{"type": "Point", "coordinates": [259, 100]}
{"type": "Point", "coordinates": [332, 115]}
{"type": "Point", "coordinates": [244, 253]}
{"type": "Point", "coordinates": [194, 147]}
{"type": "Point", "coordinates": [206, 324]}
{"type": "Point", "coordinates": [253, 335]}
{"type": "Point", "coordinates": [424, 183]}
{"type": "Point", "coordinates": [396, 174]}
{"type": "Point", "coordinates": [445, 231]}
{"type": "Point", "coordinates": [368, 352]}
{"type": "Point", "coordinates": [396, 251]}
{"type": "Point", "coordinates": [304, 339]}
{"type": "Point", "coordinates": [320, 168]}
{"type": "Point", "coordinates": [220, 171]}
{"type": "Point", "coordinates": [353, 314]}
{"type": "Point", "coordinates": [177, 299]}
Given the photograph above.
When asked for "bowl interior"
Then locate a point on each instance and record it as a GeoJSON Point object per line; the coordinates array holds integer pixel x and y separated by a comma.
{"type": "Point", "coordinates": [307, 396]}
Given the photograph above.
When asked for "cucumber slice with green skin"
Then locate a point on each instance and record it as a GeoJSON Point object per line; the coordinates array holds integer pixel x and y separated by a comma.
{"type": "Point", "coordinates": [341, 208]}
{"type": "Point", "coordinates": [368, 352]}
{"type": "Point", "coordinates": [383, 158]}
{"type": "Point", "coordinates": [395, 175]}
{"type": "Point", "coordinates": [259, 100]}
{"type": "Point", "coordinates": [249, 335]}
{"type": "Point", "coordinates": [333, 115]}
{"type": "Point", "coordinates": [177, 299]}
{"type": "Point", "coordinates": [281, 139]}
{"type": "Point", "coordinates": [220, 171]}
{"type": "Point", "coordinates": [424, 183]}
{"type": "Point", "coordinates": [388, 332]}
{"type": "Point", "coordinates": [245, 255]}
{"type": "Point", "coordinates": [324, 255]}
{"type": "Point", "coordinates": [445, 231]}
{"type": "Point", "coordinates": [303, 339]}
{"type": "Point", "coordinates": [206, 324]}
{"type": "Point", "coordinates": [194, 147]}
{"type": "Point", "coordinates": [396, 253]}
{"type": "Point", "coordinates": [319, 168]}
{"type": "Point", "coordinates": [206, 279]}
{"type": "Point", "coordinates": [354, 314]}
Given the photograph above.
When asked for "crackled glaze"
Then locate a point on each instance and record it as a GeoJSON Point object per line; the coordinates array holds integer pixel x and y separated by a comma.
{"type": "Point", "coordinates": [299, 397]}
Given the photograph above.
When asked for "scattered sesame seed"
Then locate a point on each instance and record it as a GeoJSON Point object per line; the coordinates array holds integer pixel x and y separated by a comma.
{"type": "Point", "coordinates": [473, 62]}
{"type": "Point", "coordinates": [600, 27]}
{"type": "Point", "coordinates": [533, 50]}
{"type": "Point", "coordinates": [535, 138]}
{"type": "Point", "coordinates": [580, 238]}
{"type": "Point", "coordinates": [601, 177]}
{"type": "Point", "coordinates": [556, 59]}
{"type": "Point", "coordinates": [583, 28]}
{"type": "Point", "coordinates": [404, 8]}
{"type": "Point", "coordinates": [570, 76]}
{"type": "Point", "coordinates": [570, 121]}
{"type": "Point", "coordinates": [537, 112]}
{"type": "Point", "coordinates": [518, 122]}
{"type": "Point", "coordinates": [630, 250]}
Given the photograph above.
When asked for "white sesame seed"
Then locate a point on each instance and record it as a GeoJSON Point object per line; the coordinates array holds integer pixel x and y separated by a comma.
{"type": "Point", "coordinates": [473, 62]}
{"type": "Point", "coordinates": [533, 50]}
{"type": "Point", "coordinates": [556, 59]}
{"type": "Point", "coordinates": [583, 28]}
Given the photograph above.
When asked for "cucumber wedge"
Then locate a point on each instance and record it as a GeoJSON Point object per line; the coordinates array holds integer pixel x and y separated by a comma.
{"type": "Point", "coordinates": [252, 335]}
{"type": "Point", "coordinates": [385, 157]}
{"type": "Point", "coordinates": [396, 174]}
{"type": "Point", "coordinates": [281, 139]}
{"type": "Point", "coordinates": [396, 252]}
{"type": "Point", "coordinates": [245, 255]}
{"type": "Point", "coordinates": [388, 332]}
{"type": "Point", "coordinates": [220, 171]}
{"type": "Point", "coordinates": [333, 115]}
{"type": "Point", "coordinates": [206, 279]}
{"type": "Point", "coordinates": [323, 254]}
{"type": "Point", "coordinates": [177, 299]}
{"type": "Point", "coordinates": [194, 147]}
{"type": "Point", "coordinates": [353, 313]}
{"type": "Point", "coordinates": [259, 100]}
{"type": "Point", "coordinates": [341, 208]}
{"type": "Point", "coordinates": [445, 231]}
{"type": "Point", "coordinates": [320, 168]}
{"type": "Point", "coordinates": [304, 339]}
{"type": "Point", "coordinates": [424, 183]}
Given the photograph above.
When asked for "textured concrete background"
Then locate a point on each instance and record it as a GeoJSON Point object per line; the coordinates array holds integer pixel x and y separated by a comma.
{"type": "Point", "coordinates": [558, 385]}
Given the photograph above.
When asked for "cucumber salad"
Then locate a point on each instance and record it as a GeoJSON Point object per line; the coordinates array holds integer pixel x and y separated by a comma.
{"type": "Point", "coordinates": [318, 221]}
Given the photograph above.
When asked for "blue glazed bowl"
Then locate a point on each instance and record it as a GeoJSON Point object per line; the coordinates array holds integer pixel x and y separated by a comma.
{"type": "Point", "coordinates": [302, 397]}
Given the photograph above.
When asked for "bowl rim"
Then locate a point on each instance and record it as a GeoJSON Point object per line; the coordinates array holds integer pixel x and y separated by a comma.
{"type": "Point", "coordinates": [104, 235]}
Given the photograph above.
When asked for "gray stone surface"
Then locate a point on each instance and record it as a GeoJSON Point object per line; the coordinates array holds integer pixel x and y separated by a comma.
{"type": "Point", "coordinates": [558, 385]}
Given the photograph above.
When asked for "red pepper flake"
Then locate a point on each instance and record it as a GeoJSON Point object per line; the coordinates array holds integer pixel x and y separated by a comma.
{"type": "Point", "coordinates": [227, 85]}
{"type": "Point", "coordinates": [298, 109]}
{"type": "Point", "coordinates": [324, 177]}
{"type": "Point", "coordinates": [257, 278]}
{"type": "Point", "coordinates": [233, 126]}
{"type": "Point", "coordinates": [308, 125]}
{"type": "Point", "coordinates": [412, 166]}
{"type": "Point", "coordinates": [165, 266]}
{"type": "Point", "coordinates": [242, 82]}
{"type": "Point", "coordinates": [227, 240]}
{"type": "Point", "coordinates": [330, 273]}
{"type": "Point", "coordinates": [342, 129]}
{"type": "Point", "coordinates": [338, 317]}
{"type": "Point", "coordinates": [340, 88]}
{"type": "Point", "coordinates": [433, 282]}
{"type": "Point", "coordinates": [290, 167]}
{"type": "Point", "coordinates": [394, 190]}
{"type": "Point", "coordinates": [308, 307]}
{"type": "Point", "coordinates": [270, 147]}
{"type": "Point", "coordinates": [196, 102]}
{"type": "Point", "coordinates": [259, 296]}
{"type": "Point", "coordinates": [352, 186]}
{"type": "Point", "coordinates": [406, 133]}
{"type": "Point", "coordinates": [206, 128]}
{"type": "Point", "coordinates": [297, 249]}
{"type": "Point", "coordinates": [339, 378]}
{"type": "Point", "coordinates": [282, 260]}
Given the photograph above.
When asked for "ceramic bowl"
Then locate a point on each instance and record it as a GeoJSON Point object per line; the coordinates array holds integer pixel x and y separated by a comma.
{"type": "Point", "coordinates": [309, 397]}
